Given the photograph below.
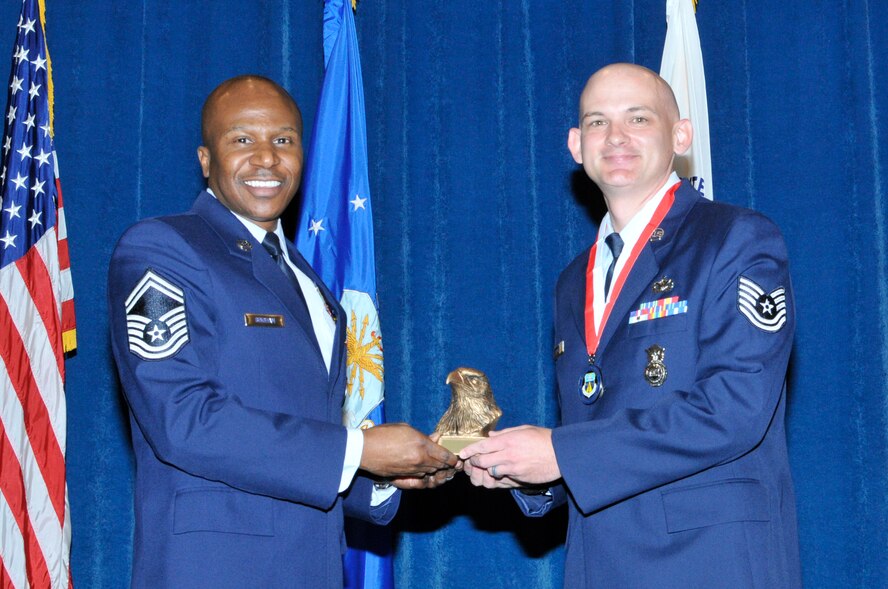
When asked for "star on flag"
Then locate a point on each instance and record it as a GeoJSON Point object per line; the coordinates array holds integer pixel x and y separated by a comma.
{"type": "Point", "coordinates": [317, 226]}
{"type": "Point", "coordinates": [358, 202]}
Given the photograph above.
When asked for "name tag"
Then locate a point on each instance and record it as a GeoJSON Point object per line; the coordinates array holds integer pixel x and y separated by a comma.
{"type": "Point", "coordinates": [559, 349]}
{"type": "Point", "coordinates": [259, 320]}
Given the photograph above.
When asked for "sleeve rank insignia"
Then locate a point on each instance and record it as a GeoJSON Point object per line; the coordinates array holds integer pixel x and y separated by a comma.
{"type": "Point", "coordinates": [767, 311]}
{"type": "Point", "coordinates": [156, 325]}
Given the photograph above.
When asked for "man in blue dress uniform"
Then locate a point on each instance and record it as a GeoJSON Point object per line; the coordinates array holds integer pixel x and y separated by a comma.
{"type": "Point", "coordinates": [232, 358]}
{"type": "Point", "coordinates": [672, 337]}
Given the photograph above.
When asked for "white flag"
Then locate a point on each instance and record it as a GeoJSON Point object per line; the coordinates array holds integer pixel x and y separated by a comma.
{"type": "Point", "coordinates": [682, 67]}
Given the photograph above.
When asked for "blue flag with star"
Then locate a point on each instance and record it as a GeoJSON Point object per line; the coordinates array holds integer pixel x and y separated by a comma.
{"type": "Point", "coordinates": [335, 234]}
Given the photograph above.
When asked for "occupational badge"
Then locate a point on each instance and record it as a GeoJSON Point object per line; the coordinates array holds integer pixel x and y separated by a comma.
{"type": "Point", "coordinates": [767, 311]}
{"type": "Point", "coordinates": [655, 371]}
{"type": "Point", "coordinates": [657, 234]}
{"type": "Point", "coordinates": [244, 245]}
{"type": "Point", "coordinates": [155, 318]}
{"type": "Point", "coordinates": [663, 285]}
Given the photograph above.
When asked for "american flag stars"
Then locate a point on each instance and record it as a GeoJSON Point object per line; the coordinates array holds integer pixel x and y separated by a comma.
{"type": "Point", "coordinates": [28, 26]}
{"type": "Point", "coordinates": [28, 173]}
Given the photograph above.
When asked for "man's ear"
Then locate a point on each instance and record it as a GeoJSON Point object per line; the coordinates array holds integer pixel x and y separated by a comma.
{"type": "Point", "coordinates": [203, 156]}
{"type": "Point", "coordinates": [574, 144]}
{"type": "Point", "coordinates": [682, 136]}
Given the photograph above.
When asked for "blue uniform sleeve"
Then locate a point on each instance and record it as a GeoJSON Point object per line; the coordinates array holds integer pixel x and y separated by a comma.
{"type": "Point", "coordinates": [358, 504]}
{"type": "Point", "coordinates": [538, 505]}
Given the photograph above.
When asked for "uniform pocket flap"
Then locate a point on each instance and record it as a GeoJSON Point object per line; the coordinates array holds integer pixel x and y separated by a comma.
{"type": "Point", "coordinates": [222, 510]}
{"type": "Point", "coordinates": [721, 502]}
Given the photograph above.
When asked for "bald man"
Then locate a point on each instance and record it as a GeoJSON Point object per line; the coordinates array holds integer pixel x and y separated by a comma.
{"type": "Point", "coordinates": [231, 354]}
{"type": "Point", "coordinates": [672, 337]}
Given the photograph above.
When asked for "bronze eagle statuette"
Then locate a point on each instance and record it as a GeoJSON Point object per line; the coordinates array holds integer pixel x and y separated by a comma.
{"type": "Point", "coordinates": [473, 411]}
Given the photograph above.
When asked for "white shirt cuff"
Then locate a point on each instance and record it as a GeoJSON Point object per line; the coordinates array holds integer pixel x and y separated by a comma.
{"type": "Point", "coordinates": [354, 448]}
{"type": "Point", "coordinates": [379, 496]}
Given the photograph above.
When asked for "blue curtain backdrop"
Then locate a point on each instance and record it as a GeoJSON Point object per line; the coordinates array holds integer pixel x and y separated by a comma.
{"type": "Point", "coordinates": [478, 206]}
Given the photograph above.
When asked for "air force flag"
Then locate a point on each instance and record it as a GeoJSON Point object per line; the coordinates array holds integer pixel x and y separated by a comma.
{"type": "Point", "coordinates": [335, 235]}
{"type": "Point", "coordinates": [336, 225]}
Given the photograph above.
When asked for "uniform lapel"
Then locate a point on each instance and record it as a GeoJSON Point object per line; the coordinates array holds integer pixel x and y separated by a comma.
{"type": "Point", "coordinates": [233, 234]}
{"type": "Point", "coordinates": [643, 272]}
{"type": "Point", "coordinates": [578, 300]}
{"type": "Point", "coordinates": [267, 272]}
{"type": "Point", "coordinates": [338, 314]}
{"type": "Point", "coordinates": [647, 266]}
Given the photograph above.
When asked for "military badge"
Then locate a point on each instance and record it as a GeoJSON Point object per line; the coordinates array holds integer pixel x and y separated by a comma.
{"type": "Point", "coordinates": [767, 311]}
{"type": "Point", "coordinates": [330, 311]}
{"type": "Point", "coordinates": [655, 372]}
{"type": "Point", "coordinates": [591, 387]}
{"type": "Point", "coordinates": [155, 318]}
{"type": "Point", "coordinates": [663, 285]}
{"type": "Point", "coordinates": [657, 234]}
{"type": "Point", "coordinates": [244, 245]}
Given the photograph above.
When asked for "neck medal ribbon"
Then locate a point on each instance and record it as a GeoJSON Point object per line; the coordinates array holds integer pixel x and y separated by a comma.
{"type": "Point", "coordinates": [591, 383]}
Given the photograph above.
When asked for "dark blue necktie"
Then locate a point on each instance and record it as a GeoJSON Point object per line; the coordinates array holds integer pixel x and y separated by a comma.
{"type": "Point", "coordinates": [273, 245]}
{"type": "Point", "coordinates": [615, 243]}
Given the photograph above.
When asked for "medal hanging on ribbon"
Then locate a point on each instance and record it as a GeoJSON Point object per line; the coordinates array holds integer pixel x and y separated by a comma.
{"type": "Point", "coordinates": [592, 383]}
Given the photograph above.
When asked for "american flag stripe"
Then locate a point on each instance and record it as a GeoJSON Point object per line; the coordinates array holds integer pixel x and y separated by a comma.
{"type": "Point", "coordinates": [15, 493]}
{"type": "Point", "coordinates": [26, 492]}
{"type": "Point", "coordinates": [31, 292]}
{"type": "Point", "coordinates": [65, 287]}
{"type": "Point", "coordinates": [12, 550]}
{"type": "Point", "coordinates": [34, 413]}
{"type": "Point", "coordinates": [37, 269]}
{"type": "Point", "coordinates": [7, 582]}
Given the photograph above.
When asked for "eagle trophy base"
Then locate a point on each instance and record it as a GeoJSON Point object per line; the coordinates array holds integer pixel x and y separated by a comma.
{"type": "Point", "coordinates": [457, 443]}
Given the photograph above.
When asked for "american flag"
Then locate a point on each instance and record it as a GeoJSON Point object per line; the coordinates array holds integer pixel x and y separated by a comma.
{"type": "Point", "coordinates": [36, 325]}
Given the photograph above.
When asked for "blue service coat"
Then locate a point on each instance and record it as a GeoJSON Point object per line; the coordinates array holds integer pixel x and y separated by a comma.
{"type": "Point", "coordinates": [235, 421]}
{"type": "Point", "coordinates": [686, 484]}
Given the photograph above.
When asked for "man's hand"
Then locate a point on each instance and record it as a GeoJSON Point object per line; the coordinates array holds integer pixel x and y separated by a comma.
{"type": "Point", "coordinates": [511, 458]}
{"type": "Point", "coordinates": [399, 452]}
{"type": "Point", "coordinates": [482, 478]}
{"type": "Point", "coordinates": [427, 482]}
